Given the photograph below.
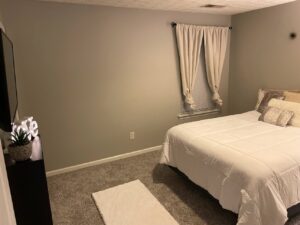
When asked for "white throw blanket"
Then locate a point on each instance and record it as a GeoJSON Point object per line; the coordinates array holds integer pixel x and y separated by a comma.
{"type": "Point", "coordinates": [251, 167]}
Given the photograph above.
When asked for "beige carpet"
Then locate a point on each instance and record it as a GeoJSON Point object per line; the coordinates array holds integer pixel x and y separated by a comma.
{"type": "Point", "coordinates": [72, 202]}
{"type": "Point", "coordinates": [131, 204]}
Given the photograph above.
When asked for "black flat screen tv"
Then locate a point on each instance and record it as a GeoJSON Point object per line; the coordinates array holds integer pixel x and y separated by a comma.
{"type": "Point", "coordinates": [8, 86]}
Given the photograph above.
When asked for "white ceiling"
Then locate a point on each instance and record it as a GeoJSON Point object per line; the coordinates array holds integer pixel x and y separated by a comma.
{"type": "Point", "coordinates": [232, 6]}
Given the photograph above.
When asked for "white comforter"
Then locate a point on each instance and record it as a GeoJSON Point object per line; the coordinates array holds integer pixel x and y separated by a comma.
{"type": "Point", "coordinates": [251, 167]}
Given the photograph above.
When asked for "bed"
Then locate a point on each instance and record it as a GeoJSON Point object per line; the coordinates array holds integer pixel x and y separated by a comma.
{"type": "Point", "coordinates": [251, 167]}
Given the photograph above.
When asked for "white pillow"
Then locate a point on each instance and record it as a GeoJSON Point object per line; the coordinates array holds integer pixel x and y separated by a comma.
{"type": "Point", "coordinates": [260, 96]}
{"type": "Point", "coordinates": [290, 106]}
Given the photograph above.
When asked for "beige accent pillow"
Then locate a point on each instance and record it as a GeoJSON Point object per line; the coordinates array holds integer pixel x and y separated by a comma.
{"type": "Point", "coordinates": [292, 96]}
{"type": "Point", "coordinates": [289, 106]}
{"type": "Point", "coordinates": [276, 116]}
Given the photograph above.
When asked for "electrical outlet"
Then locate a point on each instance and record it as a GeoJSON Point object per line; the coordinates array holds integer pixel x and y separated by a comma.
{"type": "Point", "coordinates": [131, 135]}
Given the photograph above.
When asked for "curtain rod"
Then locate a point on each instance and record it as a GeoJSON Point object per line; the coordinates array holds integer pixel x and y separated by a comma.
{"type": "Point", "coordinates": [174, 24]}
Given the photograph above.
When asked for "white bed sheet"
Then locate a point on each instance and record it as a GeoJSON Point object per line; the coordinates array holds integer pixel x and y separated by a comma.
{"type": "Point", "coordinates": [251, 167]}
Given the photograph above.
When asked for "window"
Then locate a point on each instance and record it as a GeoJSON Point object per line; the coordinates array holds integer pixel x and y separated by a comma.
{"type": "Point", "coordinates": [201, 94]}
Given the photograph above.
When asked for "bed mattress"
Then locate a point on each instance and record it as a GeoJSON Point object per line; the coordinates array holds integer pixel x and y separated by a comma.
{"type": "Point", "coordinates": [251, 167]}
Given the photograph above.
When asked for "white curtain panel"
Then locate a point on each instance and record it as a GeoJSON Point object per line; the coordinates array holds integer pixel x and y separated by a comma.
{"type": "Point", "coordinates": [215, 44]}
{"type": "Point", "coordinates": [189, 40]}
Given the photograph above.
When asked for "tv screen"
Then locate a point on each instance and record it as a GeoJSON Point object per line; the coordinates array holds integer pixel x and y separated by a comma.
{"type": "Point", "coordinates": [8, 92]}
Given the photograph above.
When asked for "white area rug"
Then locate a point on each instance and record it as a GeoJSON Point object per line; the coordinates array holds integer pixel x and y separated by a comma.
{"type": "Point", "coordinates": [131, 204]}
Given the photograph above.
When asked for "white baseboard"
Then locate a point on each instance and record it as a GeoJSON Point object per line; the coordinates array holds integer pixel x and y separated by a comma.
{"type": "Point", "coordinates": [101, 161]}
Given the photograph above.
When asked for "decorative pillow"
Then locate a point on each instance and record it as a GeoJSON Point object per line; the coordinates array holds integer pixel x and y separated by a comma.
{"type": "Point", "coordinates": [291, 96]}
{"type": "Point", "coordinates": [276, 116]}
{"type": "Point", "coordinates": [260, 96]}
{"type": "Point", "coordinates": [289, 106]}
{"type": "Point", "coordinates": [268, 95]}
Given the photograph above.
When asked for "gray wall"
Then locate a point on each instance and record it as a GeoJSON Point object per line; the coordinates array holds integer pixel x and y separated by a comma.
{"type": "Point", "coordinates": [262, 54]}
{"type": "Point", "coordinates": [90, 75]}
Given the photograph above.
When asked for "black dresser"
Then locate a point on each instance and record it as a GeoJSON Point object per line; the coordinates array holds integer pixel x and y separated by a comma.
{"type": "Point", "coordinates": [29, 191]}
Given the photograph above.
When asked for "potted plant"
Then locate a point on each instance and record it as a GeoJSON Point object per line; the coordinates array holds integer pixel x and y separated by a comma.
{"type": "Point", "coordinates": [20, 148]}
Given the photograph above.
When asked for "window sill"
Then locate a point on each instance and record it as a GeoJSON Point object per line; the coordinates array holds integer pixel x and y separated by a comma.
{"type": "Point", "coordinates": [205, 112]}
